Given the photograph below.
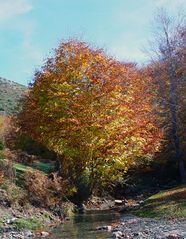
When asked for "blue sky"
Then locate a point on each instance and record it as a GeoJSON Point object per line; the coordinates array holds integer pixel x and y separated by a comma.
{"type": "Point", "coordinates": [30, 29]}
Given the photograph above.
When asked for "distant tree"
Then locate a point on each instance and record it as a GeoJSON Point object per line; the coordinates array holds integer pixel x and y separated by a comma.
{"type": "Point", "coordinates": [4, 125]}
{"type": "Point", "coordinates": [170, 74]}
{"type": "Point", "coordinates": [1, 133]}
{"type": "Point", "coordinates": [93, 111]}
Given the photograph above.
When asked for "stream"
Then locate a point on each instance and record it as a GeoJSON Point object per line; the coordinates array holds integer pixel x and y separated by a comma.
{"type": "Point", "coordinates": [84, 226]}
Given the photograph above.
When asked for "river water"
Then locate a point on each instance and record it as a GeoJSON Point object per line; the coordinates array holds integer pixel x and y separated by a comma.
{"type": "Point", "coordinates": [83, 226]}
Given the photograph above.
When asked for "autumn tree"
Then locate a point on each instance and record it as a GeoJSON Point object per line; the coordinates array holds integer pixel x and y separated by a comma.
{"type": "Point", "coordinates": [4, 126]}
{"type": "Point", "coordinates": [93, 111]}
{"type": "Point", "coordinates": [169, 73]}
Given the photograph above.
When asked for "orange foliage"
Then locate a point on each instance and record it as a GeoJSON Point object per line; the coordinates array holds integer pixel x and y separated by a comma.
{"type": "Point", "coordinates": [94, 111]}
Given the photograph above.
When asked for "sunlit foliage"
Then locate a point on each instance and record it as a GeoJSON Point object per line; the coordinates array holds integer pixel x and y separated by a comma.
{"type": "Point", "coordinates": [96, 113]}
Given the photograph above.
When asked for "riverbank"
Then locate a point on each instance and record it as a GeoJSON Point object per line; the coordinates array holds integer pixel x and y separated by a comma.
{"type": "Point", "coordinates": [133, 227]}
{"type": "Point", "coordinates": [25, 216]}
{"type": "Point", "coordinates": [161, 216]}
{"type": "Point", "coordinates": [26, 222]}
{"type": "Point", "coordinates": [165, 204]}
{"type": "Point", "coordinates": [29, 206]}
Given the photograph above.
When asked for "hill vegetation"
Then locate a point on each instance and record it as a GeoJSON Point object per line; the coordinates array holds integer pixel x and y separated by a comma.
{"type": "Point", "coordinates": [10, 94]}
{"type": "Point", "coordinates": [169, 203]}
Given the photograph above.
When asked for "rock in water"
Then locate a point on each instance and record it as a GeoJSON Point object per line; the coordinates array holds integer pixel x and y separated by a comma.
{"type": "Point", "coordinates": [104, 228]}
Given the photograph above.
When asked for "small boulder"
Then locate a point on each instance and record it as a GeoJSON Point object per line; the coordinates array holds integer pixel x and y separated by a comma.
{"type": "Point", "coordinates": [28, 234]}
{"type": "Point", "coordinates": [10, 221]}
{"type": "Point", "coordinates": [174, 236]}
{"type": "Point", "coordinates": [104, 228]}
{"type": "Point", "coordinates": [118, 202]}
{"type": "Point", "coordinates": [44, 234]}
{"type": "Point", "coordinates": [118, 235]}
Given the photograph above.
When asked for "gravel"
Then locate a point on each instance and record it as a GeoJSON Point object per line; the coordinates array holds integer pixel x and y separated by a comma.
{"type": "Point", "coordinates": [132, 227]}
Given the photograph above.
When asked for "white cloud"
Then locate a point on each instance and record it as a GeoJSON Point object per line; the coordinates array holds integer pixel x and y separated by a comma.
{"type": "Point", "coordinates": [30, 54]}
{"type": "Point", "coordinates": [27, 30]}
{"type": "Point", "coordinates": [11, 8]}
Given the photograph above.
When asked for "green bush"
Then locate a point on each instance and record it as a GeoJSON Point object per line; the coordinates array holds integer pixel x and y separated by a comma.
{"type": "Point", "coordinates": [28, 223]}
{"type": "Point", "coordinates": [6, 166]}
{"type": "Point", "coordinates": [12, 194]}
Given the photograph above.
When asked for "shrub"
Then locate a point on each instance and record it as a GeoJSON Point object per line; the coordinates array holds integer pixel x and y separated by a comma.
{"type": "Point", "coordinates": [12, 195]}
{"type": "Point", "coordinates": [28, 223]}
{"type": "Point", "coordinates": [46, 191]}
{"type": "Point", "coordinates": [6, 167]}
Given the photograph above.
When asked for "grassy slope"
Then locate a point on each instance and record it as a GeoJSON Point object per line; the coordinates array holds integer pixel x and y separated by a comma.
{"type": "Point", "coordinates": [169, 203]}
{"type": "Point", "coordinates": [37, 165]}
{"type": "Point", "coordinates": [26, 222]}
{"type": "Point", "coordinates": [44, 167]}
{"type": "Point", "coordinates": [10, 93]}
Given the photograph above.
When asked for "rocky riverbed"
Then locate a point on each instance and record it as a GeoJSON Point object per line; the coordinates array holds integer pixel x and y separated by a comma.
{"type": "Point", "coordinates": [129, 227]}
{"type": "Point", "coordinates": [17, 234]}
{"type": "Point", "coordinates": [132, 227]}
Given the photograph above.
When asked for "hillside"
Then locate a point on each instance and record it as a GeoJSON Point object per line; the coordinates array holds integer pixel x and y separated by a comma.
{"type": "Point", "coordinates": [10, 93]}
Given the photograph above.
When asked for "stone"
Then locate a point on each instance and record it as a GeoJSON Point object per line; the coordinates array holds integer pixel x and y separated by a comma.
{"type": "Point", "coordinates": [29, 234]}
{"type": "Point", "coordinates": [18, 236]}
{"type": "Point", "coordinates": [82, 208]}
{"type": "Point", "coordinates": [132, 221]}
{"type": "Point", "coordinates": [109, 228]}
{"type": "Point", "coordinates": [10, 221]}
{"type": "Point", "coordinates": [118, 235]}
{"type": "Point", "coordinates": [44, 234]}
{"type": "Point", "coordinates": [106, 228]}
{"type": "Point", "coordinates": [136, 234]}
{"type": "Point", "coordinates": [118, 202]}
{"type": "Point", "coordinates": [174, 236]}
{"type": "Point", "coordinates": [135, 205]}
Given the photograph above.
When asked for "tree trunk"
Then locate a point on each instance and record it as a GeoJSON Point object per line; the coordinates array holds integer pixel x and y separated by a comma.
{"type": "Point", "coordinates": [182, 171]}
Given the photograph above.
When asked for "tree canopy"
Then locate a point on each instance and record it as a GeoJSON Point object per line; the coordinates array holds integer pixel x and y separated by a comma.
{"type": "Point", "coordinates": [95, 112]}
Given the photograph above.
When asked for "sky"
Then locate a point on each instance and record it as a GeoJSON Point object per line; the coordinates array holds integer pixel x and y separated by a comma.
{"type": "Point", "coordinates": [31, 29]}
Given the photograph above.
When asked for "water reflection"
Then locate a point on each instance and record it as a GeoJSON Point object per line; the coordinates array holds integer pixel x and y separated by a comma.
{"type": "Point", "coordinates": [84, 226]}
